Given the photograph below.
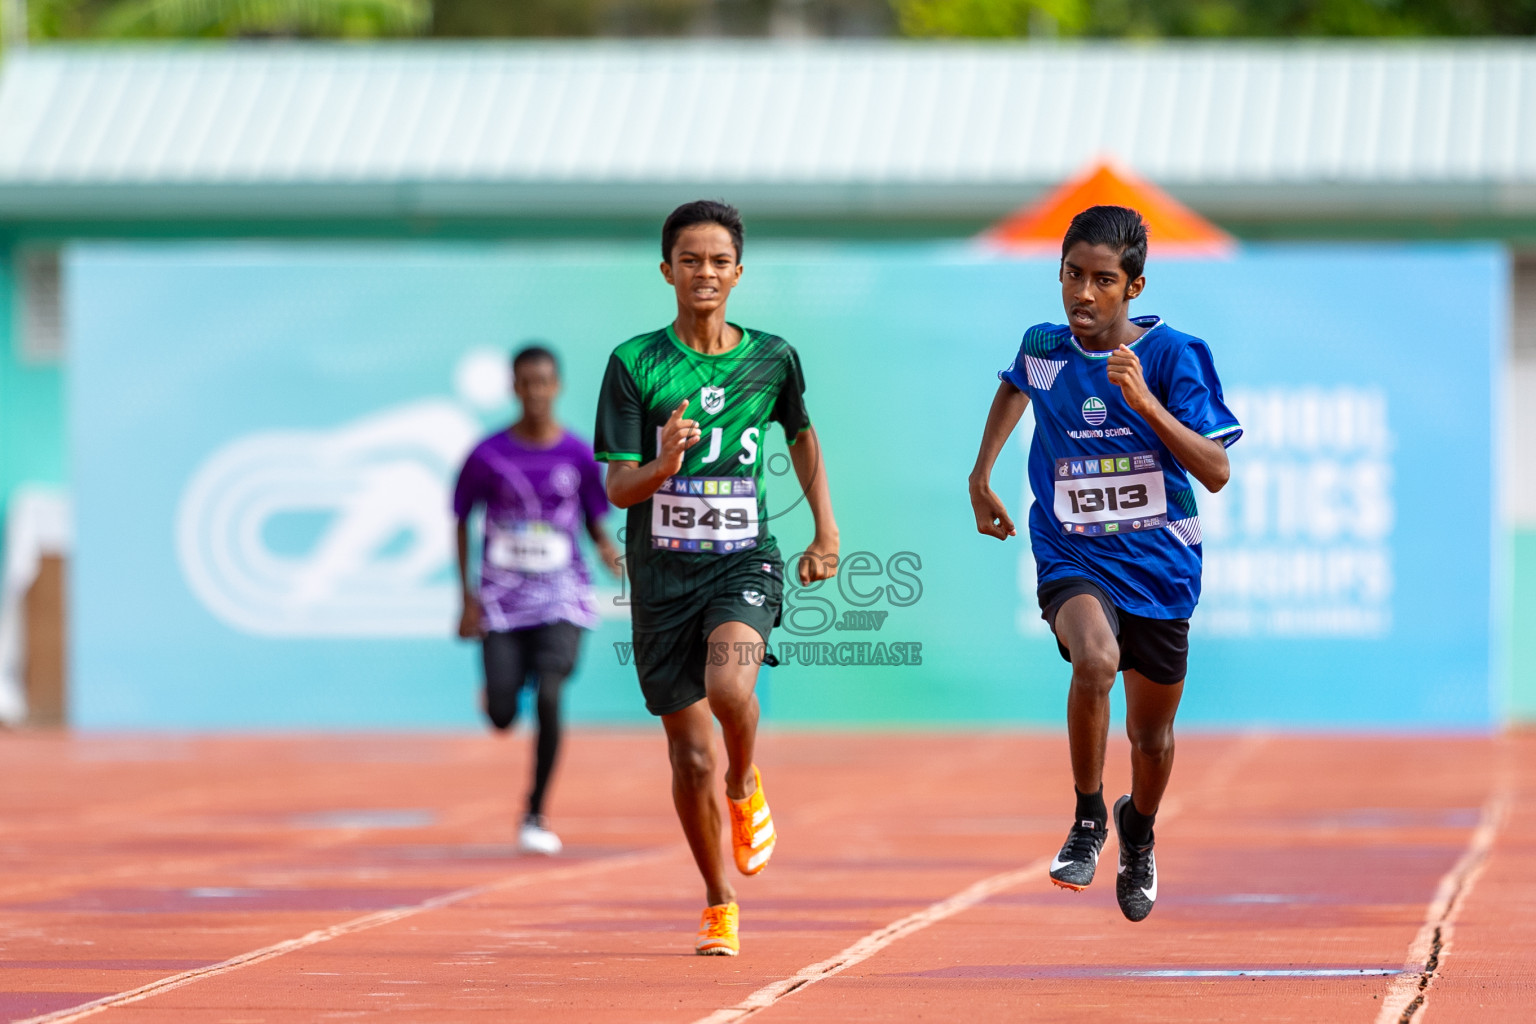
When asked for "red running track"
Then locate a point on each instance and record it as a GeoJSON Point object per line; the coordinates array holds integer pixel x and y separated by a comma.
{"type": "Point", "coordinates": [277, 880]}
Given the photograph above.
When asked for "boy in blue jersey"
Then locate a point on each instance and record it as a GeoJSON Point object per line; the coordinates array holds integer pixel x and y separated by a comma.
{"type": "Point", "coordinates": [1126, 410]}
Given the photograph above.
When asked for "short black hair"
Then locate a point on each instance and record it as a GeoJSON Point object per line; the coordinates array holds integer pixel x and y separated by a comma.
{"type": "Point", "coordinates": [534, 351]}
{"type": "Point", "coordinates": [1118, 227]}
{"type": "Point", "coordinates": [701, 211]}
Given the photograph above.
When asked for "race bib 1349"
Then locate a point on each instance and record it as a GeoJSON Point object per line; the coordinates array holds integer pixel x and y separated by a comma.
{"type": "Point", "coordinates": [710, 515]}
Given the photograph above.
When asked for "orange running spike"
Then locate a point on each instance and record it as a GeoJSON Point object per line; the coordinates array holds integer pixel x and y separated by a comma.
{"type": "Point", "coordinates": [717, 931]}
{"type": "Point", "coordinates": [752, 833]}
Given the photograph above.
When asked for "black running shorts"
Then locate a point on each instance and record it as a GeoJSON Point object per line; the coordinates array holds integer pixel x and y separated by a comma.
{"type": "Point", "coordinates": [514, 657]}
{"type": "Point", "coordinates": [671, 646]}
{"type": "Point", "coordinates": [535, 655]}
{"type": "Point", "coordinates": [1157, 648]}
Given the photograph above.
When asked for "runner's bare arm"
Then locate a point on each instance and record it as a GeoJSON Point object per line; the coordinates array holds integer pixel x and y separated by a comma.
{"type": "Point", "coordinates": [469, 614]}
{"type": "Point", "coordinates": [605, 546]}
{"type": "Point", "coordinates": [819, 562]}
{"type": "Point", "coordinates": [1205, 459]}
{"type": "Point", "coordinates": [991, 514]}
{"type": "Point", "coordinates": [629, 483]}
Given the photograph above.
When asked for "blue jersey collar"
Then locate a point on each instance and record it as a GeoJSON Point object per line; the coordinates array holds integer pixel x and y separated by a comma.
{"type": "Point", "coordinates": [1151, 323]}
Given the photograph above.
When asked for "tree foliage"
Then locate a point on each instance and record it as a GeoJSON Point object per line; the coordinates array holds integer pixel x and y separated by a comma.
{"type": "Point", "coordinates": [201, 19]}
{"type": "Point", "coordinates": [83, 19]}
{"type": "Point", "coordinates": [1145, 19]}
{"type": "Point", "coordinates": [992, 18]}
{"type": "Point", "coordinates": [1213, 18]}
{"type": "Point", "coordinates": [709, 18]}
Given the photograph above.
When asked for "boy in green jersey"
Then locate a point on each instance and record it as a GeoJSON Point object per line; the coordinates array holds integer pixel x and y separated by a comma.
{"type": "Point", "coordinates": [681, 423]}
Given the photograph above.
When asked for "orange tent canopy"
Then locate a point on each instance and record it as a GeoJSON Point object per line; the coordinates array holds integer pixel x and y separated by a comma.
{"type": "Point", "coordinates": [1173, 228]}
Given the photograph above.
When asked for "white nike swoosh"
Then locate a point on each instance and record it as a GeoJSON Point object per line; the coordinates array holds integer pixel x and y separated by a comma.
{"type": "Point", "coordinates": [1057, 863]}
{"type": "Point", "coordinates": [1151, 894]}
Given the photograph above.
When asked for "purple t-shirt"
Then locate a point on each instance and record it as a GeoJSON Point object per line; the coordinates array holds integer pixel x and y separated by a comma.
{"type": "Point", "coordinates": [536, 500]}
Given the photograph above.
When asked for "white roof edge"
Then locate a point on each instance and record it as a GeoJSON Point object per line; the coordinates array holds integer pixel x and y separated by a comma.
{"type": "Point", "coordinates": [1224, 122]}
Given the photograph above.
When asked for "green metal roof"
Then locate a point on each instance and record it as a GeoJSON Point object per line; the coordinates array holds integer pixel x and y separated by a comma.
{"type": "Point", "coordinates": [596, 129]}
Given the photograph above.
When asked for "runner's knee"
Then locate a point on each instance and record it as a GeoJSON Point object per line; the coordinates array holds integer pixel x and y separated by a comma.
{"type": "Point", "coordinates": [1094, 668]}
{"type": "Point", "coordinates": [731, 705]}
{"type": "Point", "coordinates": [1155, 742]}
{"type": "Point", "coordinates": [692, 763]}
{"type": "Point", "coordinates": [501, 707]}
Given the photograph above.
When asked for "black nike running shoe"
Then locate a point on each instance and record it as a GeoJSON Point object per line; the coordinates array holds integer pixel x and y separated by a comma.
{"type": "Point", "coordinates": [1136, 884]}
{"type": "Point", "coordinates": [1073, 866]}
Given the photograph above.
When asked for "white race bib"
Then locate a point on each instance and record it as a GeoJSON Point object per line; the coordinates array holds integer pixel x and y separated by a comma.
{"type": "Point", "coordinates": [1097, 497]}
{"type": "Point", "coordinates": [712, 515]}
{"type": "Point", "coordinates": [528, 547]}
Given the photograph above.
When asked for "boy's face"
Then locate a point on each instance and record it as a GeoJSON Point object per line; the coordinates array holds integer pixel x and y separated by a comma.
{"type": "Point", "coordinates": [1094, 290]}
{"type": "Point", "coordinates": [536, 383]}
{"type": "Point", "coordinates": [703, 268]}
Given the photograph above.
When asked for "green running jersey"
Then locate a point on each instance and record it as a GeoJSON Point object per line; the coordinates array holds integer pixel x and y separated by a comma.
{"type": "Point", "coordinates": [711, 514]}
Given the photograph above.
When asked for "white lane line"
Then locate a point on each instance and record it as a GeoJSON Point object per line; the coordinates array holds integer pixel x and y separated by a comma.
{"type": "Point", "coordinates": [359, 924]}
{"type": "Point", "coordinates": [1409, 993]}
{"type": "Point", "coordinates": [1264, 972]}
{"type": "Point", "coordinates": [875, 941]}
{"type": "Point", "coordinates": [1221, 772]}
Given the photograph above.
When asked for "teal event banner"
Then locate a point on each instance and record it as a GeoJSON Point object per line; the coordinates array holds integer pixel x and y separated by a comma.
{"type": "Point", "coordinates": [264, 439]}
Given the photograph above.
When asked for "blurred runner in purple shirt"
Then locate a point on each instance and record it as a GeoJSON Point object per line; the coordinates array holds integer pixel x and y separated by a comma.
{"type": "Point", "coordinates": [538, 485]}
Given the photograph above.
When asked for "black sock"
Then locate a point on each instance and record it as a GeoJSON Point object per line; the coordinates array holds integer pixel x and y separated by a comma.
{"type": "Point", "coordinates": [1090, 806]}
{"type": "Point", "coordinates": [1136, 827]}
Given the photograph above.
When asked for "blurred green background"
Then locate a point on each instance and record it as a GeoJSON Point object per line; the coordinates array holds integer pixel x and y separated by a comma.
{"type": "Point", "coordinates": [1136, 19]}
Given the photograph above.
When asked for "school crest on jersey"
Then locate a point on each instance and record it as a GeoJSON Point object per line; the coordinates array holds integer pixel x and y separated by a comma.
{"type": "Point", "coordinates": [713, 398]}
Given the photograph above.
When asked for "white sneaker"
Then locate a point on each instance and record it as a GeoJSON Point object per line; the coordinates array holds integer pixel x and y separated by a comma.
{"type": "Point", "coordinates": [534, 837]}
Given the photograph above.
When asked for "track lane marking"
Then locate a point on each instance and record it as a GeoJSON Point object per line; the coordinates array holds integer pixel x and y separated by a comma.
{"type": "Point", "coordinates": [1244, 749]}
{"type": "Point", "coordinates": [358, 924]}
{"type": "Point", "coordinates": [312, 840]}
{"type": "Point", "coordinates": [875, 941]}
{"type": "Point", "coordinates": [1409, 991]}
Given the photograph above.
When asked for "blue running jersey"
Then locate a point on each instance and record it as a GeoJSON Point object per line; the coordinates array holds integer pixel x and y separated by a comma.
{"type": "Point", "coordinates": [1111, 502]}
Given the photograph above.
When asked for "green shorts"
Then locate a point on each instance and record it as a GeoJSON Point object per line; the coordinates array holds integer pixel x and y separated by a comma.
{"type": "Point", "coordinates": [671, 641]}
